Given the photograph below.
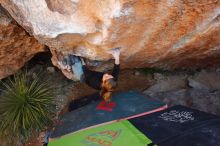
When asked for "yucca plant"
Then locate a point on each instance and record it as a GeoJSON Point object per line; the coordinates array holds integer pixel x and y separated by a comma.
{"type": "Point", "coordinates": [26, 106]}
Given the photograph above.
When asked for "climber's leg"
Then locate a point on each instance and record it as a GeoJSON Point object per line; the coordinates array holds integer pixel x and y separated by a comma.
{"type": "Point", "coordinates": [76, 66]}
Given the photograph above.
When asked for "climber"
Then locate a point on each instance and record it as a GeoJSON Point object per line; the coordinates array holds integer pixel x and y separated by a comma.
{"type": "Point", "coordinates": [104, 82]}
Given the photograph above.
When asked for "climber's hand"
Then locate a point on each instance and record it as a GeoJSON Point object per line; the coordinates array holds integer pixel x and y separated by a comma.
{"type": "Point", "coordinates": [115, 52]}
{"type": "Point", "coordinates": [65, 67]}
{"type": "Point", "coordinates": [68, 68]}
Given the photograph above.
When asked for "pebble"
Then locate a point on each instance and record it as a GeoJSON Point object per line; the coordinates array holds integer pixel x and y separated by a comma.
{"type": "Point", "coordinates": [218, 70]}
{"type": "Point", "coordinates": [51, 69]}
{"type": "Point", "coordinates": [136, 73]}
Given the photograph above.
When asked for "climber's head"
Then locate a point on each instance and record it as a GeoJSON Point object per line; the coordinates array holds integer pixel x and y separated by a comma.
{"type": "Point", "coordinates": [108, 86]}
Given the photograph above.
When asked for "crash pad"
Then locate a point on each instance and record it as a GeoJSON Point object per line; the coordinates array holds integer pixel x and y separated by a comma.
{"type": "Point", "coordinates": [128, 104]}
{"type": "Point", "coordinates": [121, 133]}
{"type": "Point", "coordinates": [180, 126]}
{"type": "Point", "coordinates": [176, 126]}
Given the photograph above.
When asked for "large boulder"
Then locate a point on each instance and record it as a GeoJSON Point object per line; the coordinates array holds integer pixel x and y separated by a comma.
{"type": "Point", "coordinates": [152, 33]}
{"type": "Point", "coordinates": [16, 46]}
{"type": "Point", "coordinates": [205, 80]}
{"type": "Point", "coordinates": [168, 83]}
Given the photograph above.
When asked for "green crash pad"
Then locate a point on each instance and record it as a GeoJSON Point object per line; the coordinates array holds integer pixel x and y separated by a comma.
{"type": "Point", "coordinates": [121, 133]}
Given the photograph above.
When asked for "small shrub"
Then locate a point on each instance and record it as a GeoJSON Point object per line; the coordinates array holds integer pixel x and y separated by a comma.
{"type": "Point", "coordinates": [26, 107]}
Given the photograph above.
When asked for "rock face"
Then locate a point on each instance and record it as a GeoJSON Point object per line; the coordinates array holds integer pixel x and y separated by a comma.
{"type": "Point", "coordinates": [197, 99]}
{"type": "Point", "coordinates": [168, 83]}
{"type": "Point", "coordinates": [200, 90]}
{"type": "Point", "coordinates": [151, 33]}
{"type": "Point", "coordinates": [16, 46]}
{"type": "Point", "coordinates": [206, 81]}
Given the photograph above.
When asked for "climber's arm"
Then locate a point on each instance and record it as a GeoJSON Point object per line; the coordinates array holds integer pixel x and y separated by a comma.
{"type": "Point", "coordinates": [116, 54]}
{"type": "Point", "coordinates": [117, 58]}
{"type": "Point", "coordinates": [116, 71]}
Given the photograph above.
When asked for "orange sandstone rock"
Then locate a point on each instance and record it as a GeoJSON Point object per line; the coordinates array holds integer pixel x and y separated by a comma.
{"type": "Point", "coordinates": [16, 46]}
{"type": "Point", "coordinates": [152, 33]}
